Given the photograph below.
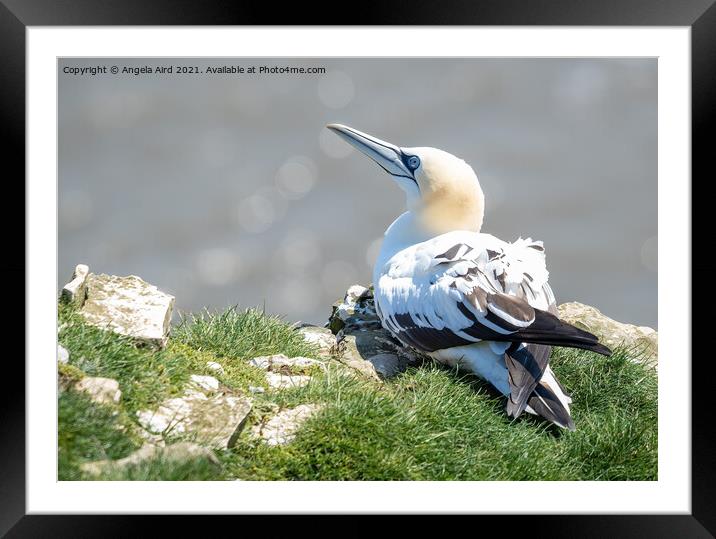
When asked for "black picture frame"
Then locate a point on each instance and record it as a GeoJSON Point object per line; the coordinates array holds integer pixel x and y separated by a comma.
{"type": "Point", "coordinates": [16, 15]}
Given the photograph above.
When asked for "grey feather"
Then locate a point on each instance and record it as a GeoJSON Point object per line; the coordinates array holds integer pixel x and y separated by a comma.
{"type": "Point", "coordinates": [525, 367]}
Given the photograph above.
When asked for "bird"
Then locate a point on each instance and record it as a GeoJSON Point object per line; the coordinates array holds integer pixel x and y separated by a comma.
{"type": "Point", "coordinates": [463, 297]}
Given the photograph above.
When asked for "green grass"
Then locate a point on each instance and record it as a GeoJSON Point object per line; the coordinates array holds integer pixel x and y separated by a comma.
{"type": "Point", "coordinates": [88, 432]}
{"type": "Point", "coordinates": [146, 377]}
{"type": "Point", "coordinates": [160, 469]}
{"type": "Point", "coordinates": [242, 335]}
{"type": "Point", "coordinates": [429, 423]}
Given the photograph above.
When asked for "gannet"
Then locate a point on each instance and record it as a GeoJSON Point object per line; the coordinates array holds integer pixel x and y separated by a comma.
{"type": "Point", "coordinates": [466, 298]}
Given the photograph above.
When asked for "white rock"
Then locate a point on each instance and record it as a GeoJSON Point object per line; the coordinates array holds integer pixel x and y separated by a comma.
{"type": "Point", "coordinates": [356, 310]}
{"type": "Point", "coordinates": [100, 390]}
{"type": "Point", "coordinates": [179, 452]}
{"type": "Point", "coordinates": [63, 356]}
{"type": "Point", "coordinates": [75, 291]}
{"type": "Point", "coordinates": [284, 381]}
{"type": "Point", "coordinates": [323, 338]}
{"type": "Point", "coordinates": [215, 420]}
{"type": "Point", "coordinates": [345, 311]}
{"type": "Point", "coordinates": [214, 366]}
{"type": "Point", "coordinates": [349, 306]}
{"type": "Point", "coordinates": [281, 362]}
{"type": "Point", "coordinates": [279, 367]}
{"type": "Point", "coordinates": [156, 421]}
{"type": "Point", "coordinates": [193, 391]}
{"type": "Point", "coordinates": [263, 362]}
{"type": "Point", "coordinates": [205, 382]}
{"type": "Point", "coordinates": [256, 389]}
{"type": "Point", "coordinates": [128, 306]}
{"type": "Point", "coordinates": [354, 292]}
{"type": "Point", "coordinates": [149, 438]}
{"type": "Point", "coordinates": [281, 429]}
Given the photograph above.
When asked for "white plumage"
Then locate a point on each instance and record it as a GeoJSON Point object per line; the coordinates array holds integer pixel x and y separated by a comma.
{"type": "Point", "coordinates": [466, 298]}
{"type": "Point", "coordinates": [429, 288]}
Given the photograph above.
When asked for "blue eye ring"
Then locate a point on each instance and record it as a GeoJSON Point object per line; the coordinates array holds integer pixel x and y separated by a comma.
{"type": "Point", "coordinates": [413, 162]}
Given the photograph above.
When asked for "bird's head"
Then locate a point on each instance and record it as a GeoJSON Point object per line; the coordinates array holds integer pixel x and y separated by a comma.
{"type": "Point", "coordinates": [442, 190]}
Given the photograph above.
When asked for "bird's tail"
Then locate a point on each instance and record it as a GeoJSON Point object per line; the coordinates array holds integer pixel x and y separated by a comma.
{"type": "Point", "coordinates": [534, 387]}
{"type": "Point", "coordinates": [549, 400]}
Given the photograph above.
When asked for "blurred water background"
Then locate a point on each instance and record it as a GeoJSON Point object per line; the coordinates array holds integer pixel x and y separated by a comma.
{"type": "Point", "coordinates": [227, 189]}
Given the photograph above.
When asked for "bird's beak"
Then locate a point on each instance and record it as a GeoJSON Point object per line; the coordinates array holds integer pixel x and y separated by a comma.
{"type": "Point", "coordinates": [387, 155]}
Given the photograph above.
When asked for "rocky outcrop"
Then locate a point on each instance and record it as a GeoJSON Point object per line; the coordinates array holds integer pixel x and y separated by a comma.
{"type": "Point", "coordinates": [208, 383]}
{"type": "Point", "coordinates": [354, 312]}
{"type": "Point", "coordinates": [100, 390]}
{"type": "Point", "coordinates": [148, 437]}
{"type": "Point", "coordinates": [286, 372]}
{"type": "Point", "coordinates": [203, 413]}
{"type": "Point", "coordinates": [63, 356]}
{"type": "Point", "coordinates": [283, 363]}
{"type": "Point", "coordinates": [362, 343]}
{"type": "Point", "coordinates": [214, 366]}
{"type": "Point", "coordinates": [126, 305]}
{"type": "Point", "coordinates": [286, 381]}
{"type": "Point", "coordinates": [176, 453]}
{"type": "Point", "coordinates": [281, 428]}
{"type": "Point", "coordinates": [322, 338]}
{"type": "Point", "coordinates": [642, 340]}
{"type": "Point", "coordinates": [68, 376]}
{"type": "Point", "coordinates": [75, 291]}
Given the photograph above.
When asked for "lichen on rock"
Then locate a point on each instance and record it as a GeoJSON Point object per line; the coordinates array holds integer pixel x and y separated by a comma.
{"type": "Point", "coordinates": [206, 416]}
{"type": "Point", "coordinates": [126, 305]}
{"type": "Point", "coordinates": [323, 338]}
{"type": "Point", "coordinates": [281, 428]}
{"type": "Point", "coordinates": [176, 453]}
{"type": "Point", "coordinates": [100, 390]}
{"type": "Point", "coordinates": [283, 372]}
{"type": "Point", "coordinates": [75, 291]}
{"type": "Point", "coordinates": [67, 376]}
{"type": "Point", "coordinates": [277, 380]}
{"type": "Point", "coordinates": [208, 383]}
{"type": "Point", "coordinates": [281, 362]}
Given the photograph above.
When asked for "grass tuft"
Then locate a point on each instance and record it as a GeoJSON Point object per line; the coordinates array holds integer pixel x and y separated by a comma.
{"type": "Point", "coordinates": [242, 335]}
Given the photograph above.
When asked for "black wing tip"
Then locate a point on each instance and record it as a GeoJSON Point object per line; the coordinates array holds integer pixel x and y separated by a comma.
{"type": "Point", "coordinates": [595, 347]}
{"type": "Point", "coordinates": [599, 348]}
{"type": "Point", "coordinates": [562, 419]}
{"type": "Point", "coordinates": [550, 329]}
{"type": "Point", "coordinates": [547, 405]}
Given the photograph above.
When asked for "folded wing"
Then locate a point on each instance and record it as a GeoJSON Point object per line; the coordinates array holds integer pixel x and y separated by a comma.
{"type": "Point", "coordinates": [446, 295]}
